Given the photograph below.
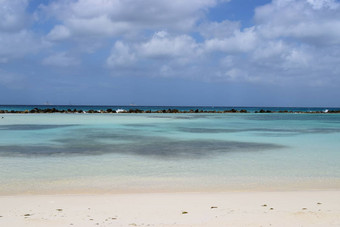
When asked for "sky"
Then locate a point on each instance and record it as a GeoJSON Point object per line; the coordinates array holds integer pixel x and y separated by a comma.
{"type": "Point", "coordinates": [170, 52]}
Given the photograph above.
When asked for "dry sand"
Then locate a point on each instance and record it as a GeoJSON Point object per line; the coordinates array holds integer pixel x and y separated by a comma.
{"type": "Point", "coordinates": [298, 208]}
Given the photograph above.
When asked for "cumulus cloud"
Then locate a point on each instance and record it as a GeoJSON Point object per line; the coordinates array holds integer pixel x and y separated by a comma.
{"type": "Point", "coordinates": [219, 30]}
{"type": "Point", "coordinates": [162, 45]}
{"type": "Point", "coordinates": [289, 41]}
{"type": "Point", "coordinates": [106, 18]}
{"type": "Point", "coordinates": [59, 32]}
{"type": "Point", "coordinates": [319, 4]}
{"type": "Point", "coordinates": [121, 55]}
{"type": "Point", "coordinates": [239, 41]}
{"type": "Point", "coordinates": [163, 54]}
{"type": "Point", "coordinates": [19, 44]}
{"type": "Point", "coordinates": [61, 60]}
{"type": "Point", "coordinates": [13, 16]}
{"type": "Point", "coordinates": [312, 21]}
{"type": "Point", "coordinates": [16, 38]}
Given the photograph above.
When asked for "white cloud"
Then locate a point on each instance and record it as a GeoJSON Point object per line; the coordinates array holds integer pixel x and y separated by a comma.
{"type": "Point", "coordinates": [290, 41]}
{"type": "Point", "coordinates": [319, 4]}
{"type": "Point", "coordinates": [162, 45]}
{"type": "Point", "coordinates": [16, 45]}
{"type": "Point", "coordinates": [106, 18]}
{"type": "Point", "coordinates": [59, 32]}
{"type": "Point", "coordinates": [315, 22]}
{"type": "Point", "coordinates": [60, 60]}
{"type": "Point", "coordinates": [270, 50]}
{"type": "Point", "coordinates": [16, 39]}
{"type": "Point", "coordinates": [239, 41]}
{"type": "Point", "coordinates": [13, 15]}
{"type": "Point", "coordinates": [120, 55]}
{"type": "Point", "coordinates": [164, 55]}
{"type": "Point", "coordinates": [219, 30]}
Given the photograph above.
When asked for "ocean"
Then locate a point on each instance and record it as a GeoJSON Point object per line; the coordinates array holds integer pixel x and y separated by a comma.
{"type": "Point", "coordinates": [89, 153]}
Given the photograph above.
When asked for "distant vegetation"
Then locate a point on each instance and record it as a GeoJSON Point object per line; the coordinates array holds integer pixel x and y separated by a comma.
{"type": "Point", "coordinates": [111, 111]}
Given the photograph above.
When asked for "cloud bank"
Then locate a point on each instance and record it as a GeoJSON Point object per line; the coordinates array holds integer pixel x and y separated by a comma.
{"type": "Point", "coordinates": [289, 42]}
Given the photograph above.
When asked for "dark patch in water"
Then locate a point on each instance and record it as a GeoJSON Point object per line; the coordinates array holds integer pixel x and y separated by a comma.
{"type": "Point", "coordinates": [208, 130]}
{"type": "Point", "coordinates": [32, 127]}
{"type": "Point", "coordinates": [298, 131]}
{"type": "Point", "coordinates": [140, 125]}
{"type": "Point", "coordinates": [158, 147]}
{"type": "Point", "coordinates": [197, 148]}
{"type": "Point", "coordinates": [98, 134]}
{"type": "Point", "coordinates": [292, 117]}
{"type": "Point", "coordinates": [263, 131]}
{"type": "Point", "coordinates": [324, 130]}
{"type": "Point", "coordinates": [180, 116]}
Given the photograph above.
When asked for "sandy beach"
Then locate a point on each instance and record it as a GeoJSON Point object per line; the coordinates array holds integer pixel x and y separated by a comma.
{"type": "Point", "coordinates": [166, 170]}
{"type": "Point", "coordinates": [296, 208]}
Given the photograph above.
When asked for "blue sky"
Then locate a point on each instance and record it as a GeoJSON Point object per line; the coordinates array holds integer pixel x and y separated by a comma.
{"type": "Point", "coordinates": [161, 52]}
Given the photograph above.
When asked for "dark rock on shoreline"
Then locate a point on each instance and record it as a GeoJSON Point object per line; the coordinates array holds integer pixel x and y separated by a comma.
{"type": "Point", "coordinates": [111, 111]}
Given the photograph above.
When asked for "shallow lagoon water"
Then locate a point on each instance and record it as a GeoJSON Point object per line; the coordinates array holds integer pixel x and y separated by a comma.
{"type": "Point", "coordinates": [49, 153]}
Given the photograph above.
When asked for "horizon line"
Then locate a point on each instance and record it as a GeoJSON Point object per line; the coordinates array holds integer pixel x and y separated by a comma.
{"type": "Point", "coordinates": [129, 105]}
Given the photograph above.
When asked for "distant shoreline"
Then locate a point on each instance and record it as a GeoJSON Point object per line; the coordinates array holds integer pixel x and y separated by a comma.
{"type": "Point", "coordinates": [136, 110]}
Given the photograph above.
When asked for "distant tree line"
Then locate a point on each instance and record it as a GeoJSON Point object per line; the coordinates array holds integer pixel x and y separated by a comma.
{"type": "Point", "coordinates": [111, 111]}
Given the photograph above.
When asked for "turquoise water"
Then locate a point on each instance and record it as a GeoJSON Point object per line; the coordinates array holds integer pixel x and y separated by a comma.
{"type": "Point", "coordinates": [49, 153]}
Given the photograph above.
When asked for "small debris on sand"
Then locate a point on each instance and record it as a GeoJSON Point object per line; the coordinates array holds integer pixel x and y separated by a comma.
{"type": "Point", "coordinates": [213, 207]}
{"type": "Point", "coordinates": [59, 209]}
{"type": "Point", "coordinates": [184, 212]}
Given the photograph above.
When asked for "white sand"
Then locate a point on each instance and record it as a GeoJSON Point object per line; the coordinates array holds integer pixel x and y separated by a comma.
{"type": "Point", "coordinates": [298, 208]}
